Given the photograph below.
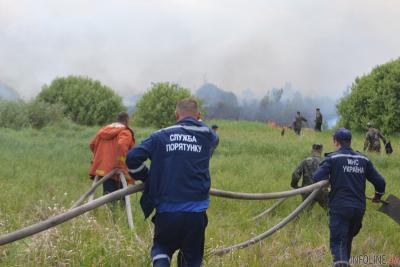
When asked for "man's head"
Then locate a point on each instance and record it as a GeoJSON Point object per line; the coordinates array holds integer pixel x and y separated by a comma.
{"type": "Point", "coordinates": [214, 127]}
{"type": "Point", "coordinates": [298, 112]}
{"type": "Point", "coordinates": [369, 124]}
{"type": "Point", "coordinates": [342, 138]}
{"type": "Point", "coordinates": [317, 149]}
{"type": "Point", "coordinates": [317, 109]}
{"type": "Point", "coordinates": [187, 107]}
{"type": "Point", "coordinates": [123, 118]}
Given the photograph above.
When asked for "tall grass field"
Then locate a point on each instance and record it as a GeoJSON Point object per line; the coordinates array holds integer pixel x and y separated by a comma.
{"type": "Point", "coordinates": [43, 172]}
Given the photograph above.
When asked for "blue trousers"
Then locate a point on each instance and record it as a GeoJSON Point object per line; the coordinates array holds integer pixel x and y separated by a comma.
{"type": "Point", "coordinates": [344, 224]}
{"type": "Point", "coordinates": [183, 231]}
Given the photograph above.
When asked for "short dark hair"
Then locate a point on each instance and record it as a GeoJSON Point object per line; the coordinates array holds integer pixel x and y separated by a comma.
{"type": "Point", "coordinates": [344, 142]}
{"type": "Point", "coordinates": [123, 117]}
{"type": "Point", "coordinates": [317, 147]}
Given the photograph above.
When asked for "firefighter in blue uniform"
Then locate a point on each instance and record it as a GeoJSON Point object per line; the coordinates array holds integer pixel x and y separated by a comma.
{"type": "Point", "coordinates": [176, 185]}
{"type": "Point", "coordinates": [347, 171]}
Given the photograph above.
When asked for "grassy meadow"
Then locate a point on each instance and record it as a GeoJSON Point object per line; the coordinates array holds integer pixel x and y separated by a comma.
{"type": "Point", "coordinates": [43, 172]}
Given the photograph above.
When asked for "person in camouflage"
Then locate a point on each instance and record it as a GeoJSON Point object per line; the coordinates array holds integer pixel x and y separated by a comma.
{"type": "Point", "coordinates": [318, 120]}
{"type": "Point", "coordinates": [298, 123]}
{"type": "Point", "coordinates": [372, 139]}
{"type": "Point", "coordinates": [306, 169]}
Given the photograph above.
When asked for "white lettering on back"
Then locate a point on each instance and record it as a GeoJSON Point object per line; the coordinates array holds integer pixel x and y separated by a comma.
{"type": "Point", "coordinates": [178, 144]}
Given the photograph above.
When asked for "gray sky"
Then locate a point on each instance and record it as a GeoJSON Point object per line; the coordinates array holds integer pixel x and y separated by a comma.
{"type": "Point", "coordinates": [319, 46]}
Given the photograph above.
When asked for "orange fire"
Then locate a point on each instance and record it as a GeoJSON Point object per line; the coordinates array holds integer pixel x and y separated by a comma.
{"type": "Point", "coordinates": [275, 125]}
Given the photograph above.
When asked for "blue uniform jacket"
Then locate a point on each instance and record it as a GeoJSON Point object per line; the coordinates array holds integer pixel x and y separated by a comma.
{"type": "Point", "coordinates": [179, 170]}
{"type": "Point", "coordinates": [348, 171]}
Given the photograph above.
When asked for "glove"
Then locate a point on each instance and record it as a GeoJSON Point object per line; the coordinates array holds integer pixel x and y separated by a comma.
{"type": "Point", "coordinates": [377, 198]}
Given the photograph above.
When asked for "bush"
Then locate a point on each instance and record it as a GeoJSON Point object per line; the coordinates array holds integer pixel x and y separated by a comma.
{"type": "Point", "coordinates": [41, 114]}
{"type": "Point", "coordinates": [374, 97]}
{"type": "Point", "coordinates": [36, 114]}
{"type": "Point", "coordinates": [13, 114]}
{"type": "Point", "coordinates": [157, 106]}
{"type": "Point", "coordinates": [85, 101]}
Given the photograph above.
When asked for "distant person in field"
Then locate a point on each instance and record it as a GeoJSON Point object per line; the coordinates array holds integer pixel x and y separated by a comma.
{"type": "Point", "coordinates": [177, 185]}
{"type": "Point", "coordinates": [298, 123]}
{"type": "Point", "coordinates": [215, 130]}
{"type": "Point", "coordinates": [372, 141]}
{"type": "Point", "coordinates": [347, 172]}
{"type": "Point", "coordinates": [109, 147]}
{"type": "Point", "coordinates": [306, 169]}
{"type": "Point", "coordinates": [318, 120]}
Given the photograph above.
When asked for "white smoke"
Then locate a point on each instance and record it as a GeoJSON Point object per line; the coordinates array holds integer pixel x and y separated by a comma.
{"type": "Point", "coordinates": [320, 46]}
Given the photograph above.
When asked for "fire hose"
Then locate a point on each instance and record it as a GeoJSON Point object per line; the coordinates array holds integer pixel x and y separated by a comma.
{"type": "Point", "coordinates": [77, 210]}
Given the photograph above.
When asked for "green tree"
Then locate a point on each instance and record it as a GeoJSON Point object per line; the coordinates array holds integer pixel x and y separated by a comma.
{"type": "Point", "coordinates": [157, 106]}
{"type": "Point", "coordinates": [85, 101]}
{"type": "Point", "coordinates": [373, 98]}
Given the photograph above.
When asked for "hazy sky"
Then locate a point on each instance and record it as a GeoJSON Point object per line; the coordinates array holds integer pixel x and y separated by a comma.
{"type": "Point", "coordinates": [319, 46]}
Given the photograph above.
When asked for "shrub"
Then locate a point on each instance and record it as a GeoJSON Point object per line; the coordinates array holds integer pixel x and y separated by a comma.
{"type": "Point", "coordinates": [374, 97]}
{"type": "Point", "coordinates": [13, 114]}
{"type": "Point", "coordinates": [36, 114]}
{"type": "Point", "coordinates": [41, 114]}
{"type": "Point", "coordinates": [157, 106]}
{"type": "Point", "coordinates": [85, 101]}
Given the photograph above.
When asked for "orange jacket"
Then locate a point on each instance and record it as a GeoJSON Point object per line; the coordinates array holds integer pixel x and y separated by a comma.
{"type": "Point", "coordinates": [109, 147]}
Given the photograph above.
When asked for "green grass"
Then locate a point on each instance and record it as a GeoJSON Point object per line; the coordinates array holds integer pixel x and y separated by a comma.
{"type": "Point", "coordinates": [43, 172]}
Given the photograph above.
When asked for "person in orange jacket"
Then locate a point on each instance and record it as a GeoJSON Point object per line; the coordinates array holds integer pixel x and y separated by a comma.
{"type": "Point", "coordinates": [109, 147]}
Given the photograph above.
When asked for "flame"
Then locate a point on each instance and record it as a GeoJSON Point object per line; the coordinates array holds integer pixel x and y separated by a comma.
{"type": "Point", "coordinates": [273, 124]}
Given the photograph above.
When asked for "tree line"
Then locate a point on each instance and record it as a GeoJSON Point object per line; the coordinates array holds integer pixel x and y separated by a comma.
{"type": "Point", "coordinates": [374, 97]}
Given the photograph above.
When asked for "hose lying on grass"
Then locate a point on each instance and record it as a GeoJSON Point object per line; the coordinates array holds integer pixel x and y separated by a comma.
{"type": "Point", "coordinates": [72, 213]}
{"type": "Point", "coordinates": [265, 212]}
{"type": "Point", "coordinates": [254, 240]}
{"type": "Point", "coordinates": [78, 210]}
{"type": "Point", "coordinates": [263, 196]}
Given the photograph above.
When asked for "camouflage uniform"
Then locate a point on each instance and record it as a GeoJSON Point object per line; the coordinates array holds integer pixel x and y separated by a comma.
{"type": "Point", "coordinates": [318, 120]}
{"type": "Point", "coordinates": [372, 142]}
{"type": "Point", "coordinates": [298, 123]}
{"type": "Point", "coordinates": [306, 169]}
